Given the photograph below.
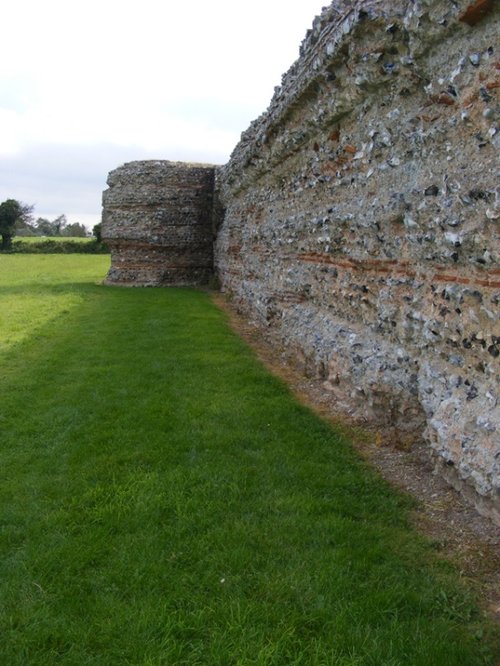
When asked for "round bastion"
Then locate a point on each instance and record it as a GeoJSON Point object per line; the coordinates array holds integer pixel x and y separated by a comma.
{"type": "Point", "coordinates": [157, 223]}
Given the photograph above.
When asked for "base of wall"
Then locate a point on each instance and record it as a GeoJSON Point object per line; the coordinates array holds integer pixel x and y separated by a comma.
{"type": "Point", "coordinates": [136, 265]}
{"type": "Point", "coordinates": [173, 277]}
{"type": "Point", "coordinates": [483, 505]}
{"type": "Point", "coordinates": [392, 409]}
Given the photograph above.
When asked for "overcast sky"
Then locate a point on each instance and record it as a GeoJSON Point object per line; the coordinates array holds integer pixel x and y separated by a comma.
{"type": "Point", "coordinates": [85, 87]}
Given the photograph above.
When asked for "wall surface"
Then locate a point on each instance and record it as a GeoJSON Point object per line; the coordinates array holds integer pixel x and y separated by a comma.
{"type": "Point", "coordinates": [157, 223]}
{"type": "Point", "coordinates": [361, 224]}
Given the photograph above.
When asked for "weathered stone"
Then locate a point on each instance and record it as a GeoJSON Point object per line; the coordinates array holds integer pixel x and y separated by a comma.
{"type": "Point", "coordinates": [383, 161]}
{"type": "Point", "coordinates": [476, 11]}
{"type": "Point", "coordinates": [157, 222]}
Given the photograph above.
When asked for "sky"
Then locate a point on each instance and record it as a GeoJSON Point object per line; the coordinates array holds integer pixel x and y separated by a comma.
{"type": "Point", "coordinates": [87, 86]}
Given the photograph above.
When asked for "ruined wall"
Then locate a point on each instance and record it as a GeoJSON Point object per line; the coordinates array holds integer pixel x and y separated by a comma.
{"type": "Point", "coordinates": [361, 224]}
{"type": "Point", "coordinates": [157, 223]}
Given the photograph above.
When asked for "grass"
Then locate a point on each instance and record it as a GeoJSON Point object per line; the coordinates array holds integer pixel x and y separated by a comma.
{"type": "Point", "coordinates": [57, 239]}
{"type": "Point", "coordinates": [165, 501]}
{"type": "Point", "coordinates": [36, 289]}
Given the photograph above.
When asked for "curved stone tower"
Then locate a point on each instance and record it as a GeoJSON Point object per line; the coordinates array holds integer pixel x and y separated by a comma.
{"type": "Point", "coordinates": [157, 223]}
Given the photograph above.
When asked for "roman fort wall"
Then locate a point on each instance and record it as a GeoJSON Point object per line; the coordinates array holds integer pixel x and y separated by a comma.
{"type": "Point", "coordinates": [157, 222]}
{"type": "Point", "coordinates": [357, 224]}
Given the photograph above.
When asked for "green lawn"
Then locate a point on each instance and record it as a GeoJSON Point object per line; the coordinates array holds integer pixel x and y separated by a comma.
{"type": "Point", "coordinates": [58, 239]}
{"type": "Point", "coordinates": [164, 500]}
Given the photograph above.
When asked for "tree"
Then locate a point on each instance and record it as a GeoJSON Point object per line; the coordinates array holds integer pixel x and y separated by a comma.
{"type": "Point", "coordinates": [97, 232]}
{"type": "Point", "coordinates": [43, 227]}
{"type": "Point", "coordinates": [52, 228]}
{"type": "Point", "coordinates": [25, 228]}
{"type": "Point", "coordinates": [74, 230]}
{"type": "Point", "coordinates": [12, 212]}
{"type": "Point", "coordinates": [59, 223]}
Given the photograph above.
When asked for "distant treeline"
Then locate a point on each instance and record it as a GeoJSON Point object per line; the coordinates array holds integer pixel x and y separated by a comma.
{"type": "Point", "coordinates": [43, 227]}
{"type": "Point", "coordinates": [44, 236]}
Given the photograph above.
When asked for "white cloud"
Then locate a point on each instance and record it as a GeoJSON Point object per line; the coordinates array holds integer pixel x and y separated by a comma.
{"type": "Point", "coordinates": [130, 81]}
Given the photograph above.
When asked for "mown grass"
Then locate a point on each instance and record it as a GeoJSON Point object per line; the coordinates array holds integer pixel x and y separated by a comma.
{"type": "Point", "coordinates": [35, 289]}
{"type": "Point", "coordinates": [165, 501]}
{"type": "Point", "coordinates": [56, 239]}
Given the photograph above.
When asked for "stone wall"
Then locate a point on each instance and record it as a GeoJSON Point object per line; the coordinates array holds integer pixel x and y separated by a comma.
{"type": "Point", "coordinates": [157, 222]}
{"type": "Point", "coordinates": [361, 223]}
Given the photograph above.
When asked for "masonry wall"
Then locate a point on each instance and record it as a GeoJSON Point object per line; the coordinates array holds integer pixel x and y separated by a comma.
{"type": "Point", "coordinates": [361, 224]}
{"type": "Point", "coordinates": [157, 221]}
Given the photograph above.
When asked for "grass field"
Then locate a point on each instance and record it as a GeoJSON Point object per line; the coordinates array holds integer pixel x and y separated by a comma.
{"type": "Point", "coordinates": [164, 501]}
{"type": "Point", "coordinates": [58, 239]}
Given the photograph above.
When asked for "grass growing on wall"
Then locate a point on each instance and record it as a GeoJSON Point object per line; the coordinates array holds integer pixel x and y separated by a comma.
{"type": "Point", "coordinates": [163, 500]}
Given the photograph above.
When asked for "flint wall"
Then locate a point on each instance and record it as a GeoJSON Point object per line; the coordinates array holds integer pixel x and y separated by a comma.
{"type": "Point", "coordinates": [361, 224]}
{"type": "Point", "coordinates": [157, 222]}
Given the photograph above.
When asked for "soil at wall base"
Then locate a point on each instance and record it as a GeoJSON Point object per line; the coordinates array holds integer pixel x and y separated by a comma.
{"type": "Point", "coordinates": [460, 534]}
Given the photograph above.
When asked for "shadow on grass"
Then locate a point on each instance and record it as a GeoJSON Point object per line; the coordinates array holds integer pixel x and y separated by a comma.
{"type": "Point", "coordinates": [44, 288]}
